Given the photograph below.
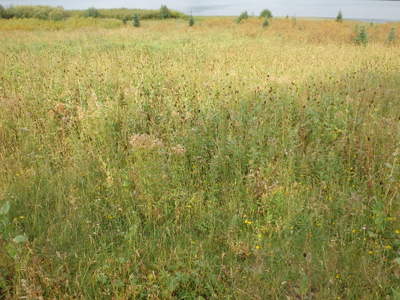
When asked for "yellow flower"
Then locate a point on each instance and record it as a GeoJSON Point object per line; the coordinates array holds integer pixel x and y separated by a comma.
{"type": "Point", "coordinates": [248, 222]}
{"type": "Point", "coordinates": [354, 231]}
{"type": "Point", "coordinates": [388, 247]}
{"type": "Point", "coordinates": [370, 252]}
{"type": "Point", "coordinates": [258, 247]}
{"type": "Point", "coordinates": [337, 276]}
{"type": "Point", "coordinates": [397, 231]}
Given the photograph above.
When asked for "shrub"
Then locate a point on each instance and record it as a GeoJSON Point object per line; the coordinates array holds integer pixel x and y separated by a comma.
{"type": "Point", "coordinates": [2, 12]}
{"type": "Point", "coordinates": [339, 17]}
{"type": "Point", "coordinates": [392, 35]}
{"type": "Point", "coordinates": [265, 23]}
{"type": "Point", "coordinates": [243, 16]}
{"type": "Point", "coordinates": [36, 12]}
{"type": "Point", "coordinates": [91, 12]}
{"type": "Point", "coordinates": [57, 14]}
{"type": "Point", "coordinates": [165, 12]}
{"type": "Point", "coordinates": [191, 21]}
{"type": "Point", "coordinates": [136, 20]}
{"type": "Point", "coordinates": [266, 13]}
{"type": "Point", "coordinates": [362, 36]}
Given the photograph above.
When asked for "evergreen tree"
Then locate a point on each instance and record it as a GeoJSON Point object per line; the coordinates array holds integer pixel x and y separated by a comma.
{"type": "Point", "coordinates": [191, 21]}
{"type": "Point", "coordinates": [392, 35]}
{"type": "Point", "coordinates": [136, 20]}
{"type": "Point", "coordinates": [339, 17]}
{"type": "Point", "coordinates": [362, 36]}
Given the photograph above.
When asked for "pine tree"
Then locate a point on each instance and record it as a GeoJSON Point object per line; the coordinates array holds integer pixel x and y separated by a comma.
{"type": "Point", "coordinates": [362, 36]}
{"type": "Point", "coordinates": [392, 35]}
{"type": "Point", "coordinates": [339, 17]}
{"type": "Point", "coordinates": [191, 21]}
{"type": "Point", "coordinates": [136, 20]}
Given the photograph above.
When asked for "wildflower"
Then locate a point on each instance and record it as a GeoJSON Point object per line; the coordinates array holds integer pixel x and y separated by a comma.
{"type": "Point", "coordinates": [258, 247]}
{"type": "Point", "coordinates": [370, 252]}
{"type": "Point", "coordinates": [22, 217]}
{"type": "Point", "coordinates": [388, 247]}
{"type": "Point", "coordinates": [248, 222]}
{"type": "Point", "coordinates": [354, 231]}
{"type": "Point", "coordinates": [397, 231]}
{"type": "Point", "coordinates": [337, 276]}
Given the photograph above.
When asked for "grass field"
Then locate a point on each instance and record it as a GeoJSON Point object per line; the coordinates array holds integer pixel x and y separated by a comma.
{"type": "Point", "coordinates": [221, 161]}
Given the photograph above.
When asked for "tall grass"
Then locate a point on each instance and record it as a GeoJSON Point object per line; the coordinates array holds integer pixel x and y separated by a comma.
{"type": "Point", "coordinates": [216, 162]}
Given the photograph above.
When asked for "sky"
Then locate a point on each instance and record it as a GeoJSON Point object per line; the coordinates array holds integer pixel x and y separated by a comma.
{"type": "Point", "coordinates": [357, 9]}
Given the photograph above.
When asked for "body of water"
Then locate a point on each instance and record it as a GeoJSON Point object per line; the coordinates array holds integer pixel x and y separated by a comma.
{"type": "Point", "coordinates": [353, 9]}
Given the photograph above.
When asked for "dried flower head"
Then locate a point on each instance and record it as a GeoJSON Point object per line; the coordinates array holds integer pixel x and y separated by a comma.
{"type": "Point", "coordinates": [145, 141]}
{"type": "Point", "coordinates": [178, 150]}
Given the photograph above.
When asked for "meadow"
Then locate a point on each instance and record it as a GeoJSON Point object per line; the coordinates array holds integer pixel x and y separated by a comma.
{"type": "Point", "coordinates": [219, 161]}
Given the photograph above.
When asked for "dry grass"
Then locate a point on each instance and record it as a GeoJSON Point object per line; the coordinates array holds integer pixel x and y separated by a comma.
{"type": "Point", "coordinates": [222, 161]}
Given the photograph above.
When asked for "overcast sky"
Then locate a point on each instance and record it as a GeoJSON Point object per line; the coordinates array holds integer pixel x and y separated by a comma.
{"type": "Point", "coordinates": [363, 9]}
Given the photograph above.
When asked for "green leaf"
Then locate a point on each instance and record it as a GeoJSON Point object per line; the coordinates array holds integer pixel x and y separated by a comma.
{"type": "Point", "coordinates": [20, 239]}
{"type": "Point", "coordinates": [5, 208]}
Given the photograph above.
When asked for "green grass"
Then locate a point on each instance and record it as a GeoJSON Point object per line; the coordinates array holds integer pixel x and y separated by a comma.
{"type": "Point", "coordinates": [222, 161]}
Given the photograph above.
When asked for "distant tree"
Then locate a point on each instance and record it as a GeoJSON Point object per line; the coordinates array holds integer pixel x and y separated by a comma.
{"type": "Point", "coordinates": [191, 21]}
{"type": "Point", "coordinates": [136, 20]}
{"type": "Point", "coordinates": [165, 13]}
{"type": "Point", "coordinates": [2, 12]}
{"type": "Point", "coordinates": [125, 19]}
{"type": "Point", "coordinates": [57, 14]}
{"type": "Point", "coordinates": [362, 36]}
{"type": "Point", "coordinates": [339, 17]}
{"type": "Point", "coordinates": [392, 37]}
{"type": "Point", "coordinates": [265, 23]}
{"type": "Point", "coordinates": [91, 12]}
{"type": "Point", "coordinates": [266, 13]}
{"type": "Point", "coordinates": [243, 16]}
